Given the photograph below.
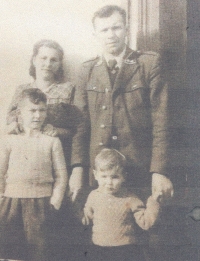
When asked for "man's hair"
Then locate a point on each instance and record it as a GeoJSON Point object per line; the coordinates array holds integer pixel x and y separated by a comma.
{"type": "Point", "coordinates": [34, 95]}
{"type": "Point", "coordinates": [109, 159]}
{"type": "Point", "coordinates": [51, 44]}
{"type": "Point", "coordinates": [107, 11]}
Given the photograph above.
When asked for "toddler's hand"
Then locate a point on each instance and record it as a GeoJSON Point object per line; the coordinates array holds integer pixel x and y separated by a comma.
{"type": "Point", "coordinates": [161, 183]}
{"type": "Point", "coordinates": [157, 196]}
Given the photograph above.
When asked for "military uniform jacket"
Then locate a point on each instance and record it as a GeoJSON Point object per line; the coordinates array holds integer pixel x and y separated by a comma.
{"type": "Point", "coordinates": [132, 115]}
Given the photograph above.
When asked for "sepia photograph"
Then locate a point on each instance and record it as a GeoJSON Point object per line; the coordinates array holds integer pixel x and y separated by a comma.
{"type": "Point", "coordinates": [99, 130]}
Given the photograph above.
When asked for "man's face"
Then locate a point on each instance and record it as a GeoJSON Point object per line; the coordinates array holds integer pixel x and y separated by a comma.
{"type": "Point", "coordinates": [33, 115]}
{"type": "Point", "coordinates": [109, 181]}
{"type": "Point", "coordinates": [111, 33]}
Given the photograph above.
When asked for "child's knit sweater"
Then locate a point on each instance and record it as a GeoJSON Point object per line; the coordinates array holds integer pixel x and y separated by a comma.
{"type": "Point", "coordinates": [116, 218]}
{"type": "Point", "coordinates": [30, 166]}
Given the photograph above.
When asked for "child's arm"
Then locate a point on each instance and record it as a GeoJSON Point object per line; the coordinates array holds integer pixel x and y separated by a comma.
{"type": "Point", "coordinates": [88, 210]}
{"type": "Point", "coordinates": [4, 161]}
{"type": "Point", "coordinates": [87, 216]}
{"type": "Point", "coordinates": [60, 173]}
{"type": "Point", "coordinates": [146, 217]}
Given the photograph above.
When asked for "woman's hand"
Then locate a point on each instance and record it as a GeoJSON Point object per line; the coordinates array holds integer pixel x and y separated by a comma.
{"type": "Point", "coordinates": [50, 130]}
{"type": "Point", "coordinates": [56, 132]}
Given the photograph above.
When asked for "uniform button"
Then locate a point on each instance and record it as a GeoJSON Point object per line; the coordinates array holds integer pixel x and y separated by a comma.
{"type": "Point", "coordinates": [102, 126]}
{"type": "Point", "coordinates": [134, 86]}
{"type": "Point", "coordinates": [94, 88]}
{"type": "Point", "coordinates": [114, 137]}
{"type": "Point", "coordinates": [104, 107]}
{"type": "Point", "coordinates": [100, 143]}
{"type": "Point", "coordinates": [106, 89]}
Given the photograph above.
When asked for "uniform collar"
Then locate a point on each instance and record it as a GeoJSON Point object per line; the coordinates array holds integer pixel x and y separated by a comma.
{"type": "Point", "coordinates": [118, 58]}
{"type": "Point", "coordinates": [131, 56]}
{"type": "Point", "coordinates": [128, 56]}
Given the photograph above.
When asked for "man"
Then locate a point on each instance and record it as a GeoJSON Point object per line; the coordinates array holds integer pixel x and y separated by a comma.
{"type": "Point", "coordinates": [124, 100]}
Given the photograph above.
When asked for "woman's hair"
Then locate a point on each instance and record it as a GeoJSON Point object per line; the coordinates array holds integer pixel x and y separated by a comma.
{"type": "Point", "coordinates": [109, 159]}
{"type": "Point", "coordinates": [51, 44]}
{"type": "Point", "coordinates": [34, 95]}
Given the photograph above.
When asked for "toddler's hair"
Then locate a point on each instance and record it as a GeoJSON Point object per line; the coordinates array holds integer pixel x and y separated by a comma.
{"type": "Point", "coordinates": [34, 95]}
{"type": "Point", "coordinates": [109, 159]}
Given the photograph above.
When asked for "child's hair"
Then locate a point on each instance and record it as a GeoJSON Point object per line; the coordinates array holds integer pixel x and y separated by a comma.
{"type": "Point", "coordinates": [109, 159]}
{"type": "Point", "coordinates": [34, 95]}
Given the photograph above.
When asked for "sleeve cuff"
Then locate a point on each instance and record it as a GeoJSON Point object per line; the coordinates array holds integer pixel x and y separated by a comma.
{"type": "Point", "coordinates": [76, 165]}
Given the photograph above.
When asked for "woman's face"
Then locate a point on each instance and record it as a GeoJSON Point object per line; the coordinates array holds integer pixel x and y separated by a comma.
{"type": "Point", "coordinates": [47, 63]}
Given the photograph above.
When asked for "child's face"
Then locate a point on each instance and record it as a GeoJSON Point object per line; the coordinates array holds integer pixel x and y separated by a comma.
{"type": "Point", "coordinates": [33, 115]}
{"type": "Point", "coordinates": [109, 181]}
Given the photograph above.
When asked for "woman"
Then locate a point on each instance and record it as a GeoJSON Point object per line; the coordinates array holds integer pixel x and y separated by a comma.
{"type": "Point", "coordinates": [64, 120]}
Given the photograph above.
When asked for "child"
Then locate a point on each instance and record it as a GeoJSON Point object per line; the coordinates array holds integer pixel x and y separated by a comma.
{"type": "Point", "coordinates": [33, 181]}
{"type": "Point", "coordinates": [116, 213]}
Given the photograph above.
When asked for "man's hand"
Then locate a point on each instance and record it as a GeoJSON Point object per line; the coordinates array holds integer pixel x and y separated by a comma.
{"type": "Point", "coordinates": [162, 186]}
{"type": "Point", "coordinates": [85, 221]}
{"type": "Point", "coordinates": [75, 182]}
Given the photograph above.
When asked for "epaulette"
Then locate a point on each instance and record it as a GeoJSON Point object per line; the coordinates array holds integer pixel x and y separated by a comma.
{"type": "Point", "coordinates": [91, 60]}
{"type": "Point", "coordinates": [147, 53]}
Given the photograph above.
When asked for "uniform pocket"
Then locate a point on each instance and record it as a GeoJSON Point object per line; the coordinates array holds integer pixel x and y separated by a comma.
{"type": "Point", "coordinates": [134, 86]}
{"type": "Point", "coordinates": [96, 97]}
{"type": "Point", "coordinates": [136, 97]}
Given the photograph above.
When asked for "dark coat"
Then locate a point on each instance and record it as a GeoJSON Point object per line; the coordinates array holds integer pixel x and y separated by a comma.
{"type": "Point", "coordinates": [131, 116]}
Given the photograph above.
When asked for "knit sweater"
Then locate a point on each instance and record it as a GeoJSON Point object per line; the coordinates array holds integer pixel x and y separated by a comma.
{"type": "Point", "coordinates": [61, 113]}
{"type": "Point", "coordinates": [116, 217]}
{"type": "Point", "coordinates": [32, 167]}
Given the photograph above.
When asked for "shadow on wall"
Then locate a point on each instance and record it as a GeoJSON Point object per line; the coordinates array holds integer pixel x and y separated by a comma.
{"type": "Point", "coordinates": [148, 42]}
{"type": "Point", "coordinates": [173, 60]}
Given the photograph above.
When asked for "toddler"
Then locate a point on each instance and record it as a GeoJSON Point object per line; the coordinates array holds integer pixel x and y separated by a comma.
{"type": "Point", "coordinates": [116, 214]}
{"type": "Point", "coordinates": [33, 181]}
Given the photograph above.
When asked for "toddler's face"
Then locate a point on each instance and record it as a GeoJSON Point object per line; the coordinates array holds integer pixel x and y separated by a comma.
{"type": "Point", "coordinates": [33, 115]}
{"type": "Point", "coordinates": [109, 181]}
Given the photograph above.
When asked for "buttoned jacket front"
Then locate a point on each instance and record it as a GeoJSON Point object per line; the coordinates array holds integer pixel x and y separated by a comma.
{"type": "Point", "coordinates": [132, 115]}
